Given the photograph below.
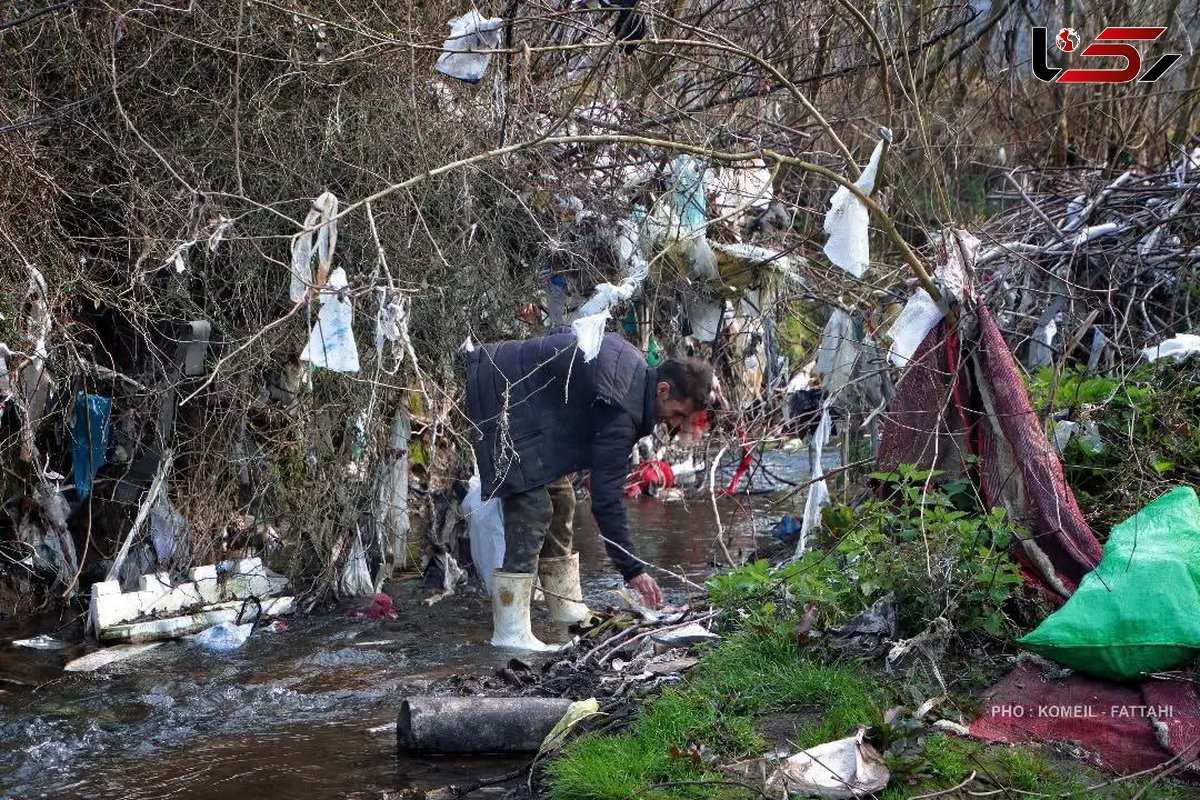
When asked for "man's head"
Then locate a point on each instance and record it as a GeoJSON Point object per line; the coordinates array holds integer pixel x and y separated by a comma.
{"type": "Point", "coordinates": [684, 387]}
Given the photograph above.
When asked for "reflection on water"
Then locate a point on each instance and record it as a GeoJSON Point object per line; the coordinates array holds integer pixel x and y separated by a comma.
{"type": "Point", "coordinates": [289, 715]}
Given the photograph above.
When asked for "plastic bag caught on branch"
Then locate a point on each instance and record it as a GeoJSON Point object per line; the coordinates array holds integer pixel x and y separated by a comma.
{"type": "Point", "coordinates": [818, 490]}
{"type": "Point", "coordinates": [468, 34]}
{"type": "Point", "coordinates": [846, 223]}
{"type": "Point", "coordinates": [589, 333]}
{"type": "Point", "coordinates": [331, 344]}
{"type": "Point", "coordinates": [391, 325]}
{"type": "Point", "coordinates": [589, 326]}
{"type": "Point", "coordinates": [322, 213]}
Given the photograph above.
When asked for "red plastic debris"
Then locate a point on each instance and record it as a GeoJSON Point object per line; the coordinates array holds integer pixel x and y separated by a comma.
{"type": "Point", "coordinates": [381, 606]}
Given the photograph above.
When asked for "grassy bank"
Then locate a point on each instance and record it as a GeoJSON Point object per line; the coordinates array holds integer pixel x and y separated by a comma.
{"type": "Point", "coordinates": [674, 747]}
{"type": "Point", "coordinates": [771, 664]}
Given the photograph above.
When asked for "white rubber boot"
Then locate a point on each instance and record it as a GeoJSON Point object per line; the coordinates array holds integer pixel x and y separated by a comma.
{"type": "Point", "coordinates": [510, 612]}
{"type": "Point", "coordinates": [560, 582]}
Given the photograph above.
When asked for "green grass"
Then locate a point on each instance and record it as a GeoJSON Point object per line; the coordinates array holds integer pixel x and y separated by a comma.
{"type": "Point", "coordinates": [753, 671]}
{"type": "Point", "coordinates": [759, 670]}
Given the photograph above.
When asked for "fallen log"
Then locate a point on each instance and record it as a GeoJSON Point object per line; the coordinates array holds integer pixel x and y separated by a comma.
{"type": "Point", "coordinates": [477, 724]}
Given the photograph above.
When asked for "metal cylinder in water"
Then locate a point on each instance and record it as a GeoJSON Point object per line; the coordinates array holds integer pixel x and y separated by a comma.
{"type": "Point", "coordinates": [477, 724]}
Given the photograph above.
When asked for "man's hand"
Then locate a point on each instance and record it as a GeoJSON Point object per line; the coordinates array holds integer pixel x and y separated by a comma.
{"type": "Point", "coordinates": [648, 587]}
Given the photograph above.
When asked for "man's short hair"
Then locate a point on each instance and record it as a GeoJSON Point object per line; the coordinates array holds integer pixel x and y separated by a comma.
{"type": "Point", "coordinates": [690, 379]}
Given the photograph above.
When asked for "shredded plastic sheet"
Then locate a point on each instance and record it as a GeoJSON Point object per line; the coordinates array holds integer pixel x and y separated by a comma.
{"type": "Point", "coordinates": [846, 223]}
{"type": "Point", "coordinates": [1177, 348]}
{"type": "Point", "coordinates": [818, 490]}
{"type": "Point", "coordinates": [323, 210]}
{"type": "Point", "coordinates": [391, 325]}
{"type": "Point", "coordinates": [589, 326]}
{"type": "Point", "coordinates": [576, 712]}
{"type": "Point", "coordinates": [1041, 347]}
{"type": "Point", "coordinates": [687, 194]}
{"type": "Point", "coordinates": [918, 317]}
{"type": "Point", "coordinates": [589, 333]}
{"type": "Point", "coordinates": [737, 190]}
{"type": "Point", "coordinates": [166, 527]}
{"type": "Point", "coordinates": [108, 655]}
{"type": "Point", "coordinates": [391, 498]}
{"type": "Point", "coordinates": [5, 383]}
{"type": "Point", "coordinates": [41, 642]}
{"type": "Point", "coordinates": [39, 321]}
{"type": "Point", "coordinates": [838, 352]}
{"type": "Point", "coordinates": [331, 344]}
{"type": "Point", "coordinates": [468, 34]}
{"type": "Point", "coordinates": [606, 297]}
{"type": "Point", "coordinates": [1087, 434]}
{"type": "Point", "coordinates": [43, 528]}
{"type": "Point", "coordinates": [626, 242]}
{"type": "Point", "coordinates": [177, 258]}
{"type": "Point", "coordinates": [1096, 232]}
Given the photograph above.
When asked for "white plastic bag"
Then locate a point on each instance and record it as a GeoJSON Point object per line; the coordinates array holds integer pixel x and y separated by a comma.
{"type": "Point", "coordinates": [485, 527]}
{"type": "Point", "coordinates": [324, 210]}
{"type": "Point", "coordinates": [469, 33]}
{"type": "Point", "coordinates": [1177, 348]}
{"type": "Point", "coordinates": [356, 577]}
{"type": "Point", "coordinates": [589, 333]}
{"type": "Point", "coordinates": [846, 223]}
{"type": "Point", "coordinates": [224, 636]}
{"type": "Point", "coordinates": [912, 325]}
{"type": "Point", "coordinates": [331, 344]}
{"type": "Point", "coordinates": [606, 297]}
{"type": "Point", "coordinates": [837, 770]}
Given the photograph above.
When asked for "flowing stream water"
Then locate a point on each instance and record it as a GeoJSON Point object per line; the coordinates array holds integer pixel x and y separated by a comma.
{"type": "Point", "coordinates": [306, 713]}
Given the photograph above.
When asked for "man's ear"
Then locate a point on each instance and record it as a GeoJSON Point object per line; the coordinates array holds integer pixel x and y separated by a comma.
{"type": "Point", "coordinates": [663, 388]}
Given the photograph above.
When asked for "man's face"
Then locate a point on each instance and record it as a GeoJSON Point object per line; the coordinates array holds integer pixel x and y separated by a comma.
{"type": "Point", "coordinates": [672, 411]}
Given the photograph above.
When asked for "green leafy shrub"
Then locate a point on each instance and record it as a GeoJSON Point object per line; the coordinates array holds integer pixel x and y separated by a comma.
{"type": "Point", "coordinates": [1148, 424]}
{"type": "Point", "coordinates": [938, 559]}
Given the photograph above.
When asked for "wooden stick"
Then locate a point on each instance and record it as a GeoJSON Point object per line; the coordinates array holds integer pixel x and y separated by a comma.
{"type": "Point", "coordinates": [160, 477]}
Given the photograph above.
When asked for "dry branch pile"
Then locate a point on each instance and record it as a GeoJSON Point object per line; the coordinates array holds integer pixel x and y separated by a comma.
{"type": "Point", "coordinates": [1095, 265]}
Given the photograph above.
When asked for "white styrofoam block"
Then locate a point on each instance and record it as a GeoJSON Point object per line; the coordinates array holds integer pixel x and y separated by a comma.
{"type": "Point", "coordinates": [185, 625]}
{"type": "Point", "coordinates": [158, 581]}
{"type": "Point", "coordinates": [207, 572]}
{"type": "Point", "coordinates": [212, 587]}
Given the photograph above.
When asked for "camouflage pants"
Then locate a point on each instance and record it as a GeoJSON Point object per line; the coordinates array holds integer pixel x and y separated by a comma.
{"type": "Point", "coordinates": [538, 523]}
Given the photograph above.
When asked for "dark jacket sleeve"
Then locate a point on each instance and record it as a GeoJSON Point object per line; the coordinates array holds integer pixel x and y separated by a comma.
{"type": "Point", "coordinates": [615, 436]}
